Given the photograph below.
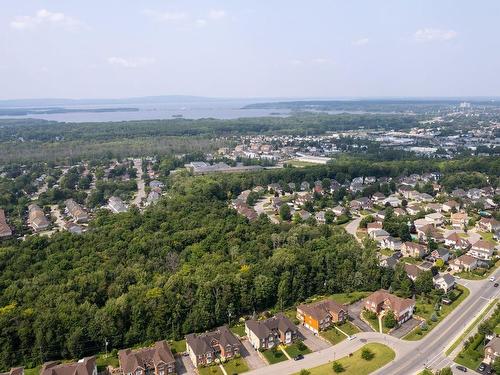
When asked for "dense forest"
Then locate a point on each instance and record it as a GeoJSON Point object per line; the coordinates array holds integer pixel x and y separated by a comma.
{"type": "Point", "coordinates": [27, 140]}
{"type": "Point", "coordinates": [179, 267]}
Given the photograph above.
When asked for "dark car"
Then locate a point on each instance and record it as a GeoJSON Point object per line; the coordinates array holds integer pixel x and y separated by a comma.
{"type": "Point", "coordinates": [481, 367]}
{"type": "Point", "coordinates": [462, 368]}
{"type": "Point", "coordinates": [495, 285]}
{"type": "Point", "coordinates": [299, 357]}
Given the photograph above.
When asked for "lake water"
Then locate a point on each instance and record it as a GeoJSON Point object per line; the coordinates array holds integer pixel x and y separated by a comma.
{"type": "Point", "coordinates": [219, 109]}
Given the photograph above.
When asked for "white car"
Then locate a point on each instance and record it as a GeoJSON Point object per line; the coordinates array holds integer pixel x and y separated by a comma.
{"type": "Point", "coordinates": [492, 278]}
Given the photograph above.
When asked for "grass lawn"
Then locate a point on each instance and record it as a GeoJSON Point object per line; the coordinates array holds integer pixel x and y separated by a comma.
{"type": "Point", "coordinates": [274, 356]}
{"type": "Point", "coordinates": [334, 336]}
{"type": "Point", "coordinates": [104, 361]}
{"type": "Point", "coordinates": [386, 252]}
{"type": "Point", "coordinates": [479, 273]}
{"type": "Point", "coordinates": [293, 350]}
{"type": "Point", "coordinates": [32, 371]}
{"type": "Point", "coordinates": [211, 370]}
{"type": "Point", "coordinates": [425, 311]}
{"type": "Point", "coordinates": [355, 365]}
{"type": "Point", "coordinates": [471, 326]}
{"type": "Point", "coordinates": [236, 366]}
{"type": "Point", "coordinates": [299, 163]}
{"type": "Point", "coordinates": [465, 359]}
{"type": "Point", "coordinates": [348, 298]}
{"type": "Point", "coordinates": [178, 346]}
{"type": "Point", "coordinates": [373, 322]}
{"type": "Point", "coordinates": [239, 330]}
{"type": "Point", "coordinates": [409, 260]}
{"type": "Point", "coordinates": [488, 236]}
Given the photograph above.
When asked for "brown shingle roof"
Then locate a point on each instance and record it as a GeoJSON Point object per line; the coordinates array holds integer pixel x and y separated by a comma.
{"type": "Point", "coordinates": [396, 303]}
{"type": "Point", "coordinates": [321, 309]}
{"type": "Point", "coordinates": [147, 358]}
{"type": "Point", "coordinates": [85, 366]}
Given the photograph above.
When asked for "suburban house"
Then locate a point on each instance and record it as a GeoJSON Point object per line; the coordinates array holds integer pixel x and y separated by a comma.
{"type": "Point", "coordinates": [303, 199]}
{"type": "Point", "coordinates": [389, 262]}
{"type": "Point", "coordinates": [320, 217]}
{"type": "Point", "coordinates": [413, 209]}
{"type": "Point", "coordinates": [318, 316]}
{"type": "Point", "coordinates": [14, 371]}
{"type": "Point", "coordinates": [376, 225]}
{"type": "Point", "coordinates": [204, 348]}
{"type": "Point", "coordinates": [157, 360]}
{"type": "Point", "coordinates": [303, 214]}
{"type": "Point", "coordinates": [445, 282]}
{"type": "Point", "coordinates": [379, 234]}
{"type": "Point", "coordinates": [429, 231]}
{"type": "Point", "coordinates": [412, 271]}
{"type": "Point", "coordinates": [482, 250]}
{"type": "Point", "coordinates": [116, 205]}
{"type": "Point", "coordinates": [382, 300]}
{"type": "Point", "coordinates": [488, 225]}
{"type": "Point", "coordinates": [362, 203]}
{"type": "Point", "coordinates": [265, 334]}
{"type": "Point", "coordinates": [391, 243]}
{"type": "Point", "coordinates": [412, 249]}
{"type": "Point", "coordinates": [378, 197]}
{"type": "Point", "coordinates": [5, 230]}
{"type": "Point", "coordinates": [36, 218]}
{"type": "Point", "coordinates": [85, 366]}
{"type": "Point", "coordinates": [76, 211]}
{"type": "Point", "coordinates": [456, 242]}
{"type": "Point", "coordinates": [435, 219]}
{"type": "Point", "coordinates": [338, 210]}
{"type": "Point", "coordinates": [450, 205]}
{"type": "Point", "coordinates": [441, 253]}
{"type": "Point", "coordinates": [433, 207]}
{"type": "Point", "coordinates": [464, 262]}
{"type": "Point", "coordinates": [459, 220]}
{"type": "Point", "coordinates": [492, 350]}
{"type": "Point", "coordinates": [392, 201]}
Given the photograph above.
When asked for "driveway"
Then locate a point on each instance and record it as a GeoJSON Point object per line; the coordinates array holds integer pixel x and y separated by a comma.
{"type": "Point", "coordinates": [184, 365]}
{"type": "Point", "coordinates": [312, 341]}
{"type": "Point", "coordinates": [354, 313]}
{"type": "Point", "coordinates": [353, 226]}
{"type": "Point", "coordinates": [405, 328]}
{"type": "Point", "coordinates": [251, 355]}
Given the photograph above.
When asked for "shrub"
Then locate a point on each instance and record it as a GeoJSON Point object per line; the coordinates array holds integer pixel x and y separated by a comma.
{"type": "Point", "coordinates": [337, 367]}
{"type": "Point", "coordinates": [434, 318]}
{"type": "Point", "coordinates": [390, 320]}
{"type": "Point", "coordinates": [424, 326]}
{"type": "Point", "coordinates": [367, 354]}
{"type": "Point", "coordinates": [301, 346]}
{"type": "Point", "coordinates": [304, 372]}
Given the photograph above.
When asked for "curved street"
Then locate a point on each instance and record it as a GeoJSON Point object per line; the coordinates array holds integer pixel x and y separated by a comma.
{"type": "Point", "coordinates": [411, 356]}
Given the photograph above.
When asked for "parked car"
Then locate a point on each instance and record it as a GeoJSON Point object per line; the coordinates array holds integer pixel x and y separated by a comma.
{"type": "Point", "coordinates": [299, 357]}
{"type": "Point", "coordinates": [462, 368]}
{"type": "Point", "coordinates": [495, 285]}
{"type": "Point", "coordinates": [492, 278]}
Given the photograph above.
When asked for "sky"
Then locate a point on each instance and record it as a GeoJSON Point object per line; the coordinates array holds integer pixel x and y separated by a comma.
{"type": "Point", "coordinates": [248, 49]}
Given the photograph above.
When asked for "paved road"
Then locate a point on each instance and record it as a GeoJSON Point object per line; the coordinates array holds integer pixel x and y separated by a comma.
{"type": "Point", "coordinates": [411, 356]}
{"type": "Point", "coordinates": [141, 192]}
{"type": "Point", "coordinates": [353, 226]}
{"type": "Point", "coordinates": [430, 350]}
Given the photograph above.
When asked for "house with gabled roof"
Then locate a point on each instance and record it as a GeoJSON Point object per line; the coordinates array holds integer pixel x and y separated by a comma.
{"type": "Point", "coordinates": [464, 262]}
{"type": "Point", "coordinates": [320, 315]}
{"type": "Point", "coordinates": [488, 224]}
{"type": "Point", "coordinates": [482, 250]}
{"type": "Point", "coordinates": [413, 249]}
{"type": "Point", "coordinates": [382, 300]}
{"type": "Point", "coordinates": [157, 360]}
{"type": "Point", "coordinates": [268, 333]}
{"type": "Point", "coordinates": [85, 366]}
{"type": "Point", "coordinates": [412, 271]}
{"type": "Point", "coordinates": [459, 220]}
{"type": "Point", "coordinates": [456, 242]}
{"type": "Point", "coordinates": [37, 219]}
{"type": "Point", "coordinates": [445, 282]}
{"type": "Point", "coordinates": [5, 230]}
{"type": "Point", "coordinates": [204, 348]}
{"type": "Point", "coordinates": [14, 371]}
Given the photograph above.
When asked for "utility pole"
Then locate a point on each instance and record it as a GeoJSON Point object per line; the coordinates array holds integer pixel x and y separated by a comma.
{"type": "Point", "coordinates": [229, 315]}
{"type": "Point", "coordinates": [106, 346]}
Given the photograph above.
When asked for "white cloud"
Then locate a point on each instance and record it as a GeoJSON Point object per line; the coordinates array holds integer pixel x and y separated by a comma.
{"type": "Point", "coordinates": [217, 14]}
{"type": "Point", "coordinates": [431, 35]}
{"type": "Point", "coordinates": [201, 22]}
{"type": "Point", "coordinates": [296, 62]}
{"type": "Point", "coordinates": [131, 63]}
{"type": "Point", "coordinates": [165, 16]}
{"type": "Point", "coordinates": [45, 17]}
{"type": "Point", "coordinates": [361, 42]}
{"type": "Point", "coordinates": [320, 60]}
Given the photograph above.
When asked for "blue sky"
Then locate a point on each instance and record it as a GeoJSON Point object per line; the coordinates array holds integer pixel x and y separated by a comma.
{"type": "Point", "coordinates": [272, 48]}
